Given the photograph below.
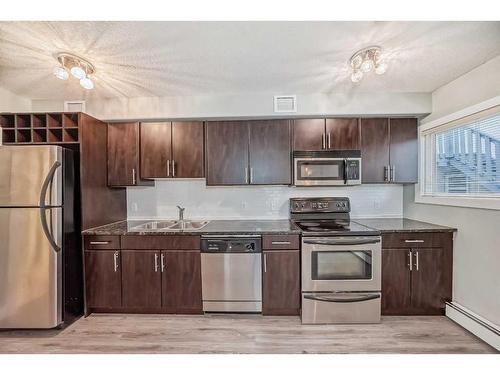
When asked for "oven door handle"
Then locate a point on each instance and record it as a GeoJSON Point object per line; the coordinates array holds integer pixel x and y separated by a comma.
{"type": "Point", "coordinates": [342, 242]}
{"type": "Point", "coordinates": [367, 297]}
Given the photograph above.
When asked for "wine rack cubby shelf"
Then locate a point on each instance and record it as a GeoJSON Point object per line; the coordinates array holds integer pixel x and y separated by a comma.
{"type": "Point", "coordinates": [40, 128]}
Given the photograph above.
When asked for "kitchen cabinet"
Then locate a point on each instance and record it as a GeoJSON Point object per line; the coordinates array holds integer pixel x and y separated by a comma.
{"type": "Point", "coordinates": [123, 155]}
{"type": "Point", "coordinates": [416, 277]}
{"type": "Point", "coordinates": [181, 282]}
{"type": "Point", "coordinates": [389, 150]}
{"type": "Point", "coordinates": [342, 134]}
{"type": "Point", "coordinates": [309, 135]}
{"type": "Point", "coordinates": [227, 153]}
{"type": "Point", "coordinates": [141, 279]}
{"type": "Point", "coordinates": [281, 275]}
{"type": "Point", "coordinates": [329, 134]}
{"type": "Point", "coordinates": [172, 149]}
{"type": "Point", "coordinates": [375, 150]}
{"type": "Point", "coordinates": [248, 152]}
{"type": "Point", "coordinates": [270, 152]}
{"type": "Point", "coordinates": [403, 150]}
{"type": "Point", "coordinates": [103, 279]}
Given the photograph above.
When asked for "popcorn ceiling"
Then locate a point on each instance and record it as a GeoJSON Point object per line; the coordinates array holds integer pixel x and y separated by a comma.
{"type": "Point", "coordinates": [150, 59]}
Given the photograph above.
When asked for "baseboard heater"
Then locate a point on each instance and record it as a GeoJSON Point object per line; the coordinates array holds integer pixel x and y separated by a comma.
{"type": "Point", "coordinates": [480, 327]}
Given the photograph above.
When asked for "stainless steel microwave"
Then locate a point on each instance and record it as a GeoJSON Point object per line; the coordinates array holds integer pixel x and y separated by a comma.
{"type": "Point", "coordinates": [327, 168]}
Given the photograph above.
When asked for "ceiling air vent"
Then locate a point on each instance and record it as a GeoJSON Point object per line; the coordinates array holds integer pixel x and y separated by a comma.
{"type": "Point", "coordinates": [285, 103]}
{"type": "Point", "coordinates": [74, 106]}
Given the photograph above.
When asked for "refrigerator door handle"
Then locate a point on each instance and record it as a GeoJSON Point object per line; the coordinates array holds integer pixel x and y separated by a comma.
{"type": "Point", "coordinates": [43, 207]}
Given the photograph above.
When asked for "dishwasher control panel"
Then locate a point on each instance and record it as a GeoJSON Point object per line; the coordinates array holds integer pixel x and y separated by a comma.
{"type": "Point", "coordinates": [231, 245]}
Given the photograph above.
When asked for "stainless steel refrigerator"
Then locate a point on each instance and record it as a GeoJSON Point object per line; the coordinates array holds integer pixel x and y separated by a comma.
{"type": "Point", "coordinates": [40, 257]}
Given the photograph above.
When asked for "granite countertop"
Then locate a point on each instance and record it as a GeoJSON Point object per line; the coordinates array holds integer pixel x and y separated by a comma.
{"type": "Point", "coordinates": [386, 225]}
{"type": "Point", "coordinates": [238, 227]}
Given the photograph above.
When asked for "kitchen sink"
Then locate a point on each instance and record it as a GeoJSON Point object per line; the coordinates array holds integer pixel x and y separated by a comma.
{"type": "Point", "coordinates": [169, 225]}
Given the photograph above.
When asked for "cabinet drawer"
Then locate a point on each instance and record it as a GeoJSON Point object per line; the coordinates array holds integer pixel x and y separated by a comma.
{"type": "Point", "coordinates": [280, 242]}
{"type": "Point", "coordinates": [160, 242]}
{"type": "Point", "coordinates": [101, 242]}
{"type": "Point", "coordinates": [415, 240]}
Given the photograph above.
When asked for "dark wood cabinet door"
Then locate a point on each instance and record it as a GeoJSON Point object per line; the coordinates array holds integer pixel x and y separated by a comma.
{"type": "Point", "coordinates": [396, 281]}
{"type": "Point", "coordinates": [431, 281]}
{"type": "Point", "coordinates": [309, 134]}
{"type": "Point", "coordinates": [141, 279]}
{"type": "Point", "coordinates": [343, 133]}
{"type": "Point", "coordinates": [156, 149]}
{"type": "Point", "coordinates": [187, 149]}
{"type": "Point", "coordinates": [227, 153]}
{"type": "Point", "coordinates": [374, 150]}
{"type": "Point", "coordinates": [404, 150]}
{"type": "Point", "coordinates": [270, 154]}
{"type": "Point", "coordinates": [123, 154]}
{"type": "Point", "coordinates": [103, 281]}
{"type": "Point", "coordinates": [281, 282]}
{"type": "Point", "coordinates": [181, 282]}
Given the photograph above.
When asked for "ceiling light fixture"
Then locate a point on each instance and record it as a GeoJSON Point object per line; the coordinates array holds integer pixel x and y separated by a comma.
{"type": "Point", "coordinates": [366, 60]}
{"type": "Point", "coordinates": [79, 68]}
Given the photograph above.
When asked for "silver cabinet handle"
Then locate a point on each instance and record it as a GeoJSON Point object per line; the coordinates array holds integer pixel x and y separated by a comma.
{"type": "Point", "coordinates": [115, 260]}
{"type": "Point", "coordinates": [280, 242]}
{"type": "Point", "coordinates": [173, 168]}
{"type": "Point", "coordinates": [386, 173]}
{"type": "Point", "coordinates": [99, 242]}
{"type": "Point", "coordinates": [133, 176]}
{"type": "Point", "coordinates": [162, 262]}
{"type": "Point", "coordinates": [168, 168]}
{"type": "Point", "coordinates": [156, 262]}
{"type": "Point", "coordinates": [323, 141]}
{"type": "Point", "coordinates": [393, 173]}
{"type": "Point", "coordinates": [265, 262]}
{"type": "Point", "coordinates": [414, 241]}
{"type": "Point", "coordinates": [246, 175]}
{"type": "Point", "coordinates": [251, 175]}
{"type": "Point", "coordinates": [329, 140]}
{"type": "Point", "coordinates": [410, 265]}
{"type": "Point", "coordinates": [416, 259]}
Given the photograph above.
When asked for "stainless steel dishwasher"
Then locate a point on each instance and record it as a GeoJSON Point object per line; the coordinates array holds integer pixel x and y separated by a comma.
{"type": "Point", "coordinates": [231, 272]}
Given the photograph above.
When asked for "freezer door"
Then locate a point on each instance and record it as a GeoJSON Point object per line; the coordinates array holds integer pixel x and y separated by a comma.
{"type": "Point", "coordinates": [23, 171]}
{"type": "Point", "coordinates": [30, 269]}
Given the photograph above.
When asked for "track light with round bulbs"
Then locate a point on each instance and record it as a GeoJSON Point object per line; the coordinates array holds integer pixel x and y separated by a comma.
{"type": "Point", "coordinates": [79, 68]}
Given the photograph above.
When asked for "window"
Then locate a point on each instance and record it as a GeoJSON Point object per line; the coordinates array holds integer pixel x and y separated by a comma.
{"type": "Point", "coordinates": [462, 158]}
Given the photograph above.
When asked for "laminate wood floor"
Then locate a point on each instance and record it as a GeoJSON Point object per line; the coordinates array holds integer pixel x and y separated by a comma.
{"type": "Point", "coordinates": [106, 333]}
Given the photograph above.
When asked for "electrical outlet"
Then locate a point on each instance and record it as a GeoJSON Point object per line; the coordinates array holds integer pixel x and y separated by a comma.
{"type": "Point", "coordinates": [376, 205]}
{"type": "Point", "coordinates": [135, 208]}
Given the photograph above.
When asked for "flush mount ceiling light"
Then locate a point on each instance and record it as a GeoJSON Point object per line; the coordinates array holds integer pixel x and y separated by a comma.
{"type": "Point", "coordinates": [366, 60]}
{"type": "Point", "coordinates": [79, 68]}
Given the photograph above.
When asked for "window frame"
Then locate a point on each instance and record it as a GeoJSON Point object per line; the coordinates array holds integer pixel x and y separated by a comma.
{"type": "Point", "coordinates": [426, 161]}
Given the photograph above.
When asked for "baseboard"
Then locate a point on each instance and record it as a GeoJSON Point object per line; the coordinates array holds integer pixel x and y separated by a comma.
{"type": "Point", "coordinates": [477, 325]}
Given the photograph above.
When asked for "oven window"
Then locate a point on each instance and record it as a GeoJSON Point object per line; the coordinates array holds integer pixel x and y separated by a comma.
{"type": "Point", "coordinates": [320, 170]}
{"type": "Point", "coordinates": [341, 265]}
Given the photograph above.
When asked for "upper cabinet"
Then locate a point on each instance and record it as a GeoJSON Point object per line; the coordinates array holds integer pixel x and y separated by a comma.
{"type": "Point", "coordinates": [248, 152]}
{"type": "Point", "coordinates": [389, 150]}
{"type": "Point", "coordinates": [309, 135]}
{"type": "Point", "coordinates": [329, 134]}
{"type": "Point", "coordinates": [123, 155]}
{"type": "Point", "coordinates": [172, 149]}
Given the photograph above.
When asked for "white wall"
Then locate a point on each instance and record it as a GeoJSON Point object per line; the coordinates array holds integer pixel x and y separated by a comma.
{"type": "Point", "coordinates": [252, 105]}
{"type": "Point", "coordinates": [252, 202]}
{"type": "Point", "coordinates": [10, 102]}
{"type": "Point", "coordinates": [476, 276]}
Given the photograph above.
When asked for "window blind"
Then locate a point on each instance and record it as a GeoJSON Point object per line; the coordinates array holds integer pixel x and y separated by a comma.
{"type": "Point", "coordinates": [463, 158]}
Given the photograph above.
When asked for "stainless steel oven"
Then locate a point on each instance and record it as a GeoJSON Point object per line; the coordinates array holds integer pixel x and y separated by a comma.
{"type": "Point", "coordinates": [327, 168]}
{"type": "Point", "coordinates": [347, 264]}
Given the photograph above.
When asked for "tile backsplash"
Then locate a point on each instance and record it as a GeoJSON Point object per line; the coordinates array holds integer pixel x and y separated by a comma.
{"type": "Point", "coordinates": [252, 202]}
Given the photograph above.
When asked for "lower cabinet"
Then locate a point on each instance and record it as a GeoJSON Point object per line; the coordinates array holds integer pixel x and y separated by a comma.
{"type": "Point", "coordinates": [145, 279]}
{"type": "Point", "coordinates": [103, 279]}
{"type": "Point", "coordinates": [416, 280]}
{"type": "Point", "coordinates": [281, 275]}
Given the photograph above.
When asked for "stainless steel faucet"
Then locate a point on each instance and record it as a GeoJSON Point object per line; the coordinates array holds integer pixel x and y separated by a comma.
{"type": "Point", "coordinates": [181, 213]}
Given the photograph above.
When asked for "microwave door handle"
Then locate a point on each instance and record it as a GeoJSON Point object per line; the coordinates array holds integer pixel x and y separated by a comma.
{"type": "Point", "coordinates": [343, 242]}
{"type": "Point", "coordinates": [367, 297]}
{"type": "Point", "coordinates": [345, 171]}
